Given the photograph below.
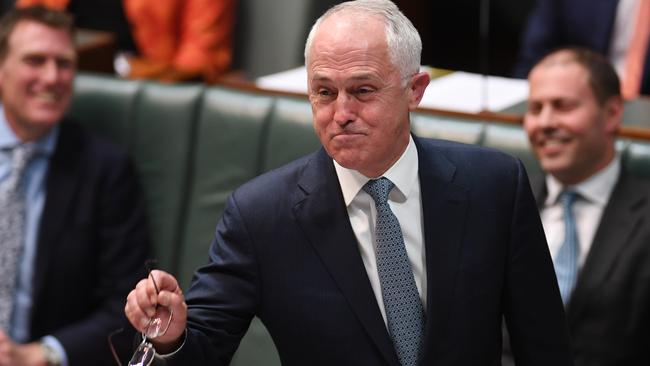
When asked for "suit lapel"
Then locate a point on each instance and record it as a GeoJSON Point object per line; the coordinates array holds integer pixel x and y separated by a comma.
{"type": "Point", "coordinates": [444, 209]}
{"type": "Point", "coordinates": [61, 185]}
{"type": "Point", "coordinates": [322, 214]}
{"type": "Point", "coordinates": [621, 218]}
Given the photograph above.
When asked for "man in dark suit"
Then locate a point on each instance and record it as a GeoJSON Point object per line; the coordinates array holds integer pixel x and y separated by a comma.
{"type": "Point", "coordinates": [81, 239]}
{"type": "Point", "coordinates": [379, 249]}
{"type": "Point", "coordinates": [574, 110]}
{"type": "Point", "coordinates": [603, 26]}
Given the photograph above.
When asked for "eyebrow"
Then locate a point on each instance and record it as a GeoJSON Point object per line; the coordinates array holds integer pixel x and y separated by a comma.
{"type": "Point", "coordinates": [358, 77]}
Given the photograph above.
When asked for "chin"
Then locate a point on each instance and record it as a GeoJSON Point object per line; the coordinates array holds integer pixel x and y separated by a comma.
{"type": "Point", "coordinates": [350, 163]}
{"type": "Point", "coordinates": [45, 123]}
{"type": "Point", "coordinates": [555, 169]}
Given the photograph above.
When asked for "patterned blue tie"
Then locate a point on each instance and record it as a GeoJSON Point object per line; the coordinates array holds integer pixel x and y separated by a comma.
{"type": "Point", "coordinates": [404, 311]}
{"type": "Point", "coordinates": [12, 221]}
{"type": "Point", "coordinates": [566, 261]}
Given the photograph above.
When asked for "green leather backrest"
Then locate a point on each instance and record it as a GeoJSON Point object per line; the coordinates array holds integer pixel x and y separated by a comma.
{"type": "Point", "coordinates": [446, 128]}
{"type": "Point", "coordinates": [290, 133]}
{"type": "Point", "coordinates": [512, 140]}
{"type": "Point", "coordinates": [105, 105]}
{"type": "Point", "coordinates": [636, 157]}
{"type": "Point", "coordinates": [231, 128]}
{"type": "Point", "coordinates": [164, 124]}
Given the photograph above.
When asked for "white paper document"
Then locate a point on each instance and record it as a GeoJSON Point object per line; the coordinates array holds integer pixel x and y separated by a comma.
{"type": "Point", "coordinates": [294, 80]}
{"type": "Point", "coordinates": [467, 92]}
{"type": "Point", "coordinates": [458, 91]}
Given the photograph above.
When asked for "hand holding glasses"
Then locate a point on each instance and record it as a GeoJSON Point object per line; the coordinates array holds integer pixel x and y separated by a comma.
{"type": "Point", "coordinates": [156, 326]}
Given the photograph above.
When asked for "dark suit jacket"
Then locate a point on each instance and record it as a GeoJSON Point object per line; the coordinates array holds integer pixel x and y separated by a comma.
{"type": "Point", "coordinates": [285, 251]}
{"type": "Point", "coordinates": [556, 23]}
{"type": "Point", "coordinates": [92, 244]}
{"type": "Point", "coordinates": [609, 311]}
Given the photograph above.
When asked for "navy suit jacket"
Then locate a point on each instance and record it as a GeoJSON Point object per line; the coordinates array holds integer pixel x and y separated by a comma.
{"type": "Point", "coordinates": [609, 311]}
{"type": "Point", "coordinates": [92, 243]}
{"type": "Point", "coordinates": [556, 23]}
{"type": "Point", "coordinates": [285, 251]}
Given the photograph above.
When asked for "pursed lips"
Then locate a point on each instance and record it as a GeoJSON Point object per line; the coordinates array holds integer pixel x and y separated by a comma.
{"type": "Point", "coordinates": [347, 134]}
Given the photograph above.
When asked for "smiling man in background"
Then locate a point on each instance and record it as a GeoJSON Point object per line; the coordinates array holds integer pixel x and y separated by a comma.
{"type": "Point", "coordinates": [595, 213]}
{"type": "Point", "coordinates": [73, 236]}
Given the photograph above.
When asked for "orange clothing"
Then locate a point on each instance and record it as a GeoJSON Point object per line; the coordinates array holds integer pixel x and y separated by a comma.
{"type": "Point", "coordinates": [191, 36]}
{"type": "Point", "coordinates": [176, 38]}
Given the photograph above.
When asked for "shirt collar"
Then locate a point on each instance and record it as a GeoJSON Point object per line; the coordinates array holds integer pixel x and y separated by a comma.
{"type": "Point", "coordinates": [404, 174]}
{"type": "Point", "coordinates": [595, 189]}
{"type": "Point", "coordinates": [8, 139]}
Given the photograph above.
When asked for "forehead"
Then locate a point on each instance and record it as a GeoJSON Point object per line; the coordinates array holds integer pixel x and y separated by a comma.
{"type": "Point", "coordinates": [560, 79]}
{"type": "Point", "coordinates": [349, 42]}
{"type": "Point", "coordinates": [29, 36]}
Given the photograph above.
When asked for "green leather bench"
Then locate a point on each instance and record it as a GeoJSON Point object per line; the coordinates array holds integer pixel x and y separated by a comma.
{"type": "Point", "coordinates": [194, 144]}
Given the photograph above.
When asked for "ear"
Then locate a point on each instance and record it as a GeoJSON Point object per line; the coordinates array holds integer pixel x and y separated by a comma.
{"type": "Point", "coordinates": [613, 114]}
{"type": "Point", "coordinates": [417, 86]}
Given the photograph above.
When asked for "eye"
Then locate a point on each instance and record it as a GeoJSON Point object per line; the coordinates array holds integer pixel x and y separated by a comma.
{"type": "Point", "coordinates": [565, 105]}
{"type": "Point", "coordinates": [325, 94]}
{"type": "Point", "coordinates": [65, 63]}
{"type": "Point", "coordinates": [534, 108]}
{"type": "Point", "coordinates": [364, 92]}
{"type": "Point", "coordinates": [34, 60]}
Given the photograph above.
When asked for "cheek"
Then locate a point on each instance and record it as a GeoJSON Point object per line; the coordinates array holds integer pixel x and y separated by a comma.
{"type": "Point", "coordinates": [67, 79]}
{"type": "Point", "coordinates": [323, 114]}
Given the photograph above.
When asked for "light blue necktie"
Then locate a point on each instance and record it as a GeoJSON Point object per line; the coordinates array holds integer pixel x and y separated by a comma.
{"type": "Point", "coordinates": [12, 221]}
{"type": "Point", "coordinates": [402, 303]}
{"type": "Point", "coordinates": [566, 261]}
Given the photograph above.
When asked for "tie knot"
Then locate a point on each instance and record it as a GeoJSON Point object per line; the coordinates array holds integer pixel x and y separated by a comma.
{"type": "Point", "coordinates": [21, 156]}
{"type": "Point", "coordinates": [379, 189]}
{"type": "Point", "coordinates": [568, 197]}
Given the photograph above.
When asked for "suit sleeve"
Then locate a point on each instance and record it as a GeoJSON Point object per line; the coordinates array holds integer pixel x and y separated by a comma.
{"type": "Point", "coordinates": [533, 309]}
{"type": "Point", "coordinates": [223, 296]}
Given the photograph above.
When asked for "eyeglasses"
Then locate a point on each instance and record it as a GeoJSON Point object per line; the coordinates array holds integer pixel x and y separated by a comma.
{"type": "Point", "coordinates": [156, 327]}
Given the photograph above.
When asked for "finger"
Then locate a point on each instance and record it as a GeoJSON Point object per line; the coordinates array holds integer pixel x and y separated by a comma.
{"type": "Point", "coordinates": [171, 299]}
{"type": "Point", "coordinates": [145, 297]}
{"type": "Point", "coordinates": [163, 280]}
{"type": "Point", "coordinates": [5, 352]}
{"type": "Point", "coordinates": [134, 313]}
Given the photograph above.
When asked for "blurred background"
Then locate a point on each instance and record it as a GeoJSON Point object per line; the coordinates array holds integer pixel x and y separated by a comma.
{"type": "Point", "coordinates": [268, 36]}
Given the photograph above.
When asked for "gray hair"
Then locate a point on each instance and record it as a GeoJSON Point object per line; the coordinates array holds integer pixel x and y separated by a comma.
{"type": "Point", "coordinates": [403, 40]}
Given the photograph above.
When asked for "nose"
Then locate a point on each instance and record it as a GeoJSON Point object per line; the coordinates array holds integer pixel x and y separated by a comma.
{"type": "Point", "coordinates": [344, 112]}
{"type": "Point", "coordinates": [547, 118]}
{"type": "Point", "coordinates": [50, 72]}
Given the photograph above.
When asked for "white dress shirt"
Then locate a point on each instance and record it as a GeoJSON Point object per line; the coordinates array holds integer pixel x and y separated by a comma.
{"type": "Point", "coordinates": [404, 201]}
{"type": "Point", "coordinates": [587, 210]}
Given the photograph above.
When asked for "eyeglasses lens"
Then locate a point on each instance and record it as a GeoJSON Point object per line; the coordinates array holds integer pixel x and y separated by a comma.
{"type": "Point", "coordinates": [143, 355]}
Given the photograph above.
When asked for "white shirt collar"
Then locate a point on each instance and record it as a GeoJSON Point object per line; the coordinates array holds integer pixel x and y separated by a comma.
{"type": "Point", "coordinates": [404, 174]}
{"type": "Point", "coordinates": [595, 189]}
